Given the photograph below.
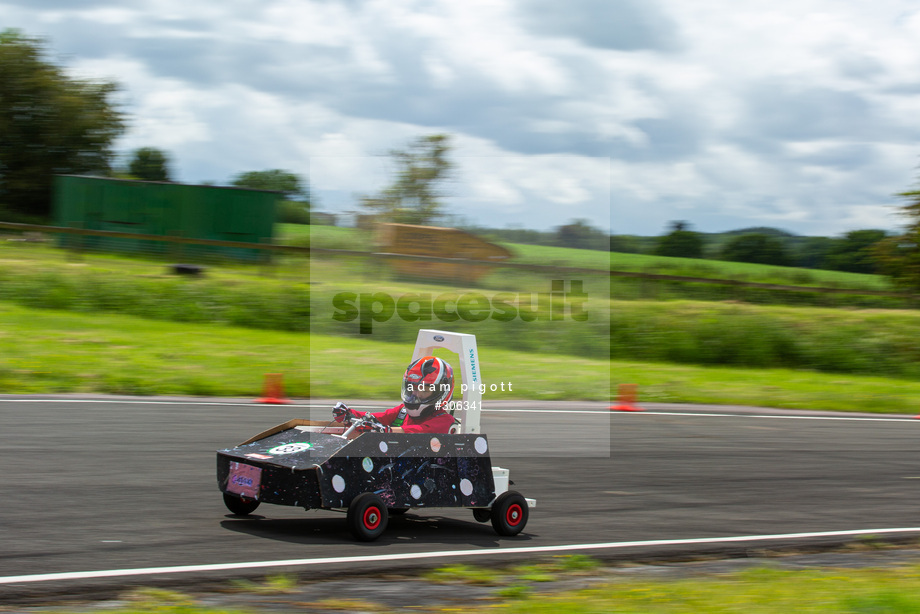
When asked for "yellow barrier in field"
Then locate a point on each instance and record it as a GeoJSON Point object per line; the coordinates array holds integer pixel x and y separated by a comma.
{"type": "Point", "coordinates": [439, 242]}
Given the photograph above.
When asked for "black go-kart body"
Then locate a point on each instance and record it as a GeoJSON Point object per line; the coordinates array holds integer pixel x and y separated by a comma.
{"type": "Point", "coordinates": [300, 464]}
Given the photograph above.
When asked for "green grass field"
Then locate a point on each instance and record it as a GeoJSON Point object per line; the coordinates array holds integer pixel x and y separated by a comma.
{"type": "Point", "coordinates": [300, 294]}
{"type": "Point", "coordinates": [218, 335]}
{"type": "Point", "coordinates": [20, 256]}
{"type": "Point", "coordinates": [348, 238]}
{"type": "Point", "coordinates": [46, 351]}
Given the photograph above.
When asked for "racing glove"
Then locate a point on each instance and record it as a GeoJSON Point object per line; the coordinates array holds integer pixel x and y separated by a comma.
{"type": "Point", "coordinates": [342, 413]}
{"type": "Point", "coordinates": [370, 423]}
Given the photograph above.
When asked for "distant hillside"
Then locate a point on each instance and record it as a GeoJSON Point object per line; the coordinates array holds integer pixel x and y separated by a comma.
{"type": "Point", "coordinates": [763, 230]}
{"type": "Point", "coordinates": [829, 253]}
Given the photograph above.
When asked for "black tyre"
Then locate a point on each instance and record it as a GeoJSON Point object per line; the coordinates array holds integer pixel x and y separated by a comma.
{"type": "Point", "coordinates": [367, 517]}
{"type": "Point", "coordinates": [239, 505]}
{"type": "Point", "coordinates": [482, 515]}
{"type": "Point", "coordinates": [509, 513]}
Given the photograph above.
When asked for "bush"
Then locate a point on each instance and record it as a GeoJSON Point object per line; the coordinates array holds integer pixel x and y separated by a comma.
{"type": "Point", "coordinates": [680, 243]}
{"type": "Point", "coordinates": [293, 212]}
{"type": "Point", "coordinates": [757, 249]}
{"type": "Point", "coordinates": [767, 337]}
{"type": "Point", "coordinates": [256, 305]}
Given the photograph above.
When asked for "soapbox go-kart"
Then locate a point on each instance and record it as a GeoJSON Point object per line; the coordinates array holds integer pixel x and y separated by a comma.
{"type": "Point", "coordinates": [316, 465]}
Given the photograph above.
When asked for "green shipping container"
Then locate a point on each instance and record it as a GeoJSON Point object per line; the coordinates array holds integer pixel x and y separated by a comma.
{"type": "Point", "coordinates": [165, 209]}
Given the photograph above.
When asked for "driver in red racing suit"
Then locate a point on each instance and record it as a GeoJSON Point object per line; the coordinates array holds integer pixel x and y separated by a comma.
{"type": "Point", "coordinates": [428, 386]}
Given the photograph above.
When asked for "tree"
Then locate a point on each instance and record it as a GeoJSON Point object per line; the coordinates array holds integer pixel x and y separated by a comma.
{"type": "Point", "coordinates": [855, 252]}
{"type": "Point", "coordinates": [50, 124]}
{"type": "Point", "coordinates": [149, 164]}
{"type": "Point", "coordinates": [277, 180]}
{"type": "Point", "coordinates": [757, 248]}
{"type": "Point", "coordinates": [626, 244]}
{"type": "Point", "coordinates": [898, 257]}
{"type": "Point", "coordinates": [812, 252]}
{"type": "Point", "coordinates": [414, 197]}
{"type": "Point", "coordinates": [680, 242]}
{"type": "Point", "coordinates": [295, 208]}
{"type": "Point", "coordinates": [581, 235]}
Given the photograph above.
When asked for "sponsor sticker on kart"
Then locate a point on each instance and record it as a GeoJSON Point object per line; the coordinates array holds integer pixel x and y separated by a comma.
{"type": "Point", "coordinates": [244, 480]}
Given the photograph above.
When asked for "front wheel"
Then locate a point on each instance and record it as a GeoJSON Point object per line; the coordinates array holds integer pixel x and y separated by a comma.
{"type": "Point", "coordinates": [367, 517]}
{"type": "Point", "coordinates": [239, 505]}
{"type": "Point", "coordinates": [509, 513]}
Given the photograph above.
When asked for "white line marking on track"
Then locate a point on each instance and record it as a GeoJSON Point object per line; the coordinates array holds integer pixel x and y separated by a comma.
{"type": "Point", "coordinates": [705, 415]}
{"type": "Point", "coordinates": [120, 573]}
{"type": "Point", "coordinates": [144, 402]}
{"type": "Point", "coordinates": [779, 416]}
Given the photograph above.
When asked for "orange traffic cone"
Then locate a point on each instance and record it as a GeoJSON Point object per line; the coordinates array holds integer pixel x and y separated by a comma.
{"type": "Point", "coordinates": [626, 398]}
{"type": "Point", "coordinates": [274, 390]}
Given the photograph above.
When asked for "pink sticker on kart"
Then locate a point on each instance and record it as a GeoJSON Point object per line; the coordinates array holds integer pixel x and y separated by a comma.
{"type": "Point", "coordinates": [244, 480]}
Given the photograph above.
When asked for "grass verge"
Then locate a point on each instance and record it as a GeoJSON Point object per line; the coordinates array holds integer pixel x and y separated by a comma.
{"type": "Point", "coordinates": [760, 590]}
{"type": "Point", "coordinates": [45, 351]}
{"type": "Point", "coordinates": [753, 591]}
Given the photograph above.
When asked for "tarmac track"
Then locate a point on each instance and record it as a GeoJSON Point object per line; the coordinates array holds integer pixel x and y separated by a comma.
{"type": "Point", "coordinates": [114, 484]}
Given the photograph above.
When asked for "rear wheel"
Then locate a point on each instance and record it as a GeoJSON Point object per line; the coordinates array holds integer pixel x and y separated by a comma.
{"type": "Point", "coordinates": [367, 517]}
{"type": "Point", "coordinates": [239, 505]}
{"type": "Point", "coordinates": [482, 515]}
{"type": "Point", "coordinates": [509, 513]}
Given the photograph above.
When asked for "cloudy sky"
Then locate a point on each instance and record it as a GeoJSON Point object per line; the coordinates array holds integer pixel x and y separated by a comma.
{"type": "Point", "coordinates": [798, 114]}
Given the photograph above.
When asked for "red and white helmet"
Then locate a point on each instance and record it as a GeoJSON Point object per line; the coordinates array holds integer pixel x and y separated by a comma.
{"type": "Point", "coordinates": [428, 385]}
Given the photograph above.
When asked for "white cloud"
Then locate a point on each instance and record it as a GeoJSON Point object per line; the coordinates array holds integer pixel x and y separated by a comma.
{"type": "Point", "coordinates": [726, 115]}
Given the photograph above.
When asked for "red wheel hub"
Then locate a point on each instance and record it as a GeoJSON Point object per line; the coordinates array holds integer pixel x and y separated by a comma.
{"type": "Point", "coordinates": [514, 515]}
{"type": "Point", "coordinates": [372, 518]}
